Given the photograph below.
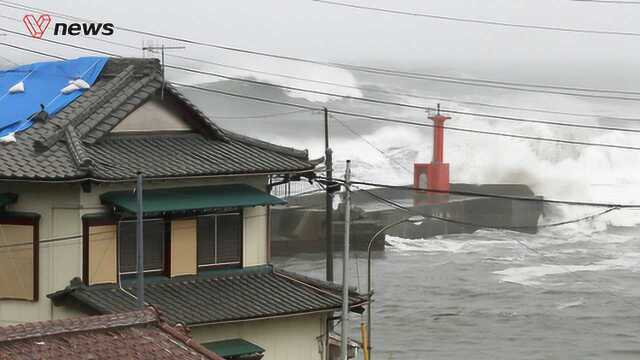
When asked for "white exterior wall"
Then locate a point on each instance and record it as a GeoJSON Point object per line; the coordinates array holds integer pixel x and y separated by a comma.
{"type": "Point", "coordinates": [291, 338]}
{"type": "Point", "coordinates": [61, 207]}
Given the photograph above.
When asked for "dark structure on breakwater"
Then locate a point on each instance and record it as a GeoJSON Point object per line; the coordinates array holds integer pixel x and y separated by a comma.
{"type": "Point", "coordinates": [299, 227]}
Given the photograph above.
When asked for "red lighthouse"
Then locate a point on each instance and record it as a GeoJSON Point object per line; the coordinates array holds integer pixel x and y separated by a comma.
{"type": "Point", "coordinates": [435, 175]}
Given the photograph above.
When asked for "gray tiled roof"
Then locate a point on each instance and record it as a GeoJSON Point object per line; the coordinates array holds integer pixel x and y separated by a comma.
{"type": "Point", "coordinates": [77, 144]}
{"type": "Point", "coordinates": [220, 296]}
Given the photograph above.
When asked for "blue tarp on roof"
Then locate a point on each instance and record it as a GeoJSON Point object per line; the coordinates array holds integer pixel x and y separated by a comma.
{"type": "Point", "coordinates": [43, 84]}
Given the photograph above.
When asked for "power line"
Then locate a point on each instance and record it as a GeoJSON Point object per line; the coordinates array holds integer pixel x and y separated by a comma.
{"type": "Point", "coordinates": [32, 51]}
{"type": "Point", "coordinates": [377, 101]}
{"type": "Point", "coordinates": [478, 21]}
{"type": "Point", "coordinates": [495, 133]}
{"type": "Point", "coordinates": [496, 196]}
{"type": "Point", "coordinates": [395, 103]}
{"type": "Point", "coordinates": [465, 223]}
{"type": "Point", "coordinates": [405, 122]}
{"type": "Point", "coordinates": [519, 241]}
{"type": "Point", "coordinates": [326, 93]}
{"type": "Point", "coordinates": [397, 121]}
{"type": "Point", "coordinates": [398, 93]}
{"type": "Point", "coordinates": [261, 116]}
{"type": "Point", "coordinates": [351, 130]}
{"type": "Point", "coordinates": [374, 70]}
{"type": "Point", "coordinates": [609, 1]}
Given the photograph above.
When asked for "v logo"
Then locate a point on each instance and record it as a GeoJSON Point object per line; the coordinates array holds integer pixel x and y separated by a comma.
{"type": "Point", "coordinates": [37, 27]}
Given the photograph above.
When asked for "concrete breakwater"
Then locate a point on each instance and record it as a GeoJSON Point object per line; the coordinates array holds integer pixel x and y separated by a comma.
{"type": "Point", "coordinates": [300, 226]}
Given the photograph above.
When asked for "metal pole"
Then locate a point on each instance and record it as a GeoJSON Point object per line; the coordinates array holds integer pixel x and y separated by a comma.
{"type": "Point", "coordinates": [414, 220]}
{"type": "Point", "coordinates": [163, 78]}
{"type": "Point", "coordinates": [328, 156]}
{"type": "Point", "coordinates": [140, 244]}
{"type": "Point", "coordinates": [345, 264]}
{"type": "Point", "coordinates": [369, 289]}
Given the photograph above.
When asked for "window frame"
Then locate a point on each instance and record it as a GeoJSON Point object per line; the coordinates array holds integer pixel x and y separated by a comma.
{"type": "Point", "coordinates": [166, 242]}
{"type": "Point", "coordinates": [101, 219]}
{"type": "Point", "coordinates": [107, 218]}
{"type": "Point", "coordinates": [26, 219]}
{"type": "Point", "coordinates": [89, 220]}
{"type": "Point", "coordinates": [229, 265]}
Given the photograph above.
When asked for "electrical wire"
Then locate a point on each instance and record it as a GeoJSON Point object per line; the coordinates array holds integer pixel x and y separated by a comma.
{"type": "Point", "coordinates": [479, 225]}
{"type": "Point", "coordinates": [609, 1]}
{"type": "Point", "coordinates": [261, 116]}
{"type": "Point", "coordinates": [351, 130]}
{"type": "Point", "coordinates": [377, 101]}
{"type": "Point", "coordinates": [385, 119]}
{"type": "Point", "coordinates": [32, 51]}
{"type": "Point", "coordinates": [405, 122]}
{"type": "Point", "coordinates": [202, 72]}
{"type": "Point", "coordinates": [488, 195]}
{"type": "Point", "coordinates": [518, 241]}
{"type": "Point", "coordinates": [369, 69]}
{"type": "Point", "coordinates": [399, 104]}
{"type": "Point", "coordinates": [405, 105]}
{"type": "Point", "coordinates": [473, 103]}
{"type": "Point", "coordinates": [478, 21]}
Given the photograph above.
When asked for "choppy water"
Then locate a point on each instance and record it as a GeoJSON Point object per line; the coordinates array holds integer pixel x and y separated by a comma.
{"type": "Point", "coordinates": [566, 293]}
{"type": "Point", "coordinates": [502, 295]}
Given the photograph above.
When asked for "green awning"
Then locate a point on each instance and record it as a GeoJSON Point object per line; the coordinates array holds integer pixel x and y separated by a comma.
{"type": "Point", "coordinates": [233, 348]}
{"type": "Point", "coordinates": [7, 198]}
{"type": "Point", "coordinates": [187, 199]}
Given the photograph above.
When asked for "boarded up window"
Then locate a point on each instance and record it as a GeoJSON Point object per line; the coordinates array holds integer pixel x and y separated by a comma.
{"type": "Point", "coordinates": [18, 264]}
{"type": "Point", "coordinates": [102, 244]}
{"type": "Point", "coordinates": [183, 247]}
{"type": "Point", "coordinates": [154, 230]}
{"type": "Point", "coordinates": [219, 239]}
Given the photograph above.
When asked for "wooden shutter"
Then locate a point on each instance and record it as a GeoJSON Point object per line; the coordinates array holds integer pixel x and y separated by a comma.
{"type": "Point", "coordinates": [19, 257]}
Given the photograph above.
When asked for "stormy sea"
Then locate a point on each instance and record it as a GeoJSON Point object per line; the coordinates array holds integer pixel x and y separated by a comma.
{"type": "Point", "coordinates": [566, 292]}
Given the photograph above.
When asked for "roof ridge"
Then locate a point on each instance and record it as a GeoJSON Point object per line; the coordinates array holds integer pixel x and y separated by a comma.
{"type": "Point", "coordinates": [83, 113]}
{"type": "Point", "coordinates": [300, 154]}
{"type": "Point", "coordinates": [81, 324]}
{"type": "Point", "coordinates": [211, 125]}
{"type": "Point", "coordinates": [79, 153]}
{"type": "Point", "coordinates": [132, 102]}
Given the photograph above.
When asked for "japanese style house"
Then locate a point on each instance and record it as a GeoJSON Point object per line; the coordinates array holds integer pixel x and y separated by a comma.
{"type": "Point", "coordinates": [67, 235]}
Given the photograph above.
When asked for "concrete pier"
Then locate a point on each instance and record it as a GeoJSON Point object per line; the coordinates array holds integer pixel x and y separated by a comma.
{"type": "Point", "coordinates": [299, 227]}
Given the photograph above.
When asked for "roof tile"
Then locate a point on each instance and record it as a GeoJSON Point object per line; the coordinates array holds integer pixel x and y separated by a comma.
{"type": "Point", "coordinates": [43, 154]}
{"type": "Point", "coordinates": [140, 335]}
{"type": "Point", "coordinates": [226, 296]}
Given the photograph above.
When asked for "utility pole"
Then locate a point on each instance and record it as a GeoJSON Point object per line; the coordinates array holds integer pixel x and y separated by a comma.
{"type": "Point", "coordinates": [162, 49]}
{"type": "Point", "coordinates": [328, 158]}
{"type": "Point", "coordinates": [140, 243]}
{"type": "Point", "coordinates": [345, 264]}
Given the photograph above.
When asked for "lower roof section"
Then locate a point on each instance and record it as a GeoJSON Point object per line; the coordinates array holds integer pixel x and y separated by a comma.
{"type": "Point", "coordinates": [140, 335]}
{"type": "Point", "coordinates": [235, 348]}
{"type": "Point", "coordinates": [186, 199]}
{"type": "Point", "coordinates": [216, 296]}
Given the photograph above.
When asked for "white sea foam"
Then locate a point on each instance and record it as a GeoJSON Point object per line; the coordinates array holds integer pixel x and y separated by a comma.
{"type": "Point", "coordinates": [294, 73]}
{"type": "Point", "coordinates": [571, 304]}
{"type": "Point", "coordinates": [533, 275]}
{"type": "Point", "coordinates": [441, 244]}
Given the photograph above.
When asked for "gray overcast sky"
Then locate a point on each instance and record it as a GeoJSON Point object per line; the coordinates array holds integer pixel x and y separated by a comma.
{"type": "Point", "coordinates": [304, 27]}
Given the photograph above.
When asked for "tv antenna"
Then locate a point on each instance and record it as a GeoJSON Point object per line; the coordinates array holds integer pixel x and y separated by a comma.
{"type": "Point", "coordinates": [162, 49]}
